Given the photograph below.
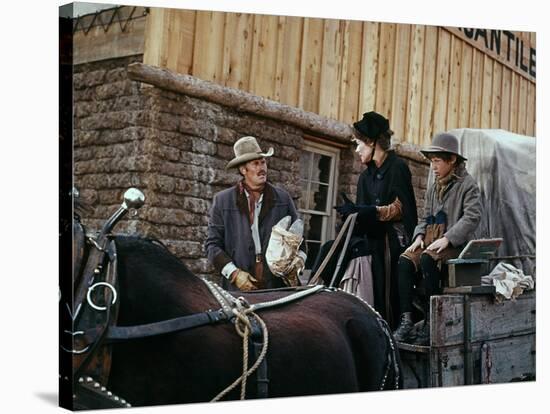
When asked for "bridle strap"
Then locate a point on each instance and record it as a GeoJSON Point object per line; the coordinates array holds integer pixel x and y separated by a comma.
{"type": "Point", "coordinates": [124, 333]}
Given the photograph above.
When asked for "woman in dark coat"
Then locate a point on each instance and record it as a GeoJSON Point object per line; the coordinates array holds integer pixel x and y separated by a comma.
{"type": "Point", "coordinates": [386, 208]}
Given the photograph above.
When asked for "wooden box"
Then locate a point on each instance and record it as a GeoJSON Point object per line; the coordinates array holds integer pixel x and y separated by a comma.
{"type": "Point", "coordinates": [466, 272]}
{"type": "Point", "coordinates": [497, 346]}
{"type": "Point", "coordinates": [472, 263]}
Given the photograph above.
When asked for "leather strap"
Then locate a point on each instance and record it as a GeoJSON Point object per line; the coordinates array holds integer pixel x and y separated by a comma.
{"type": "Point", "coordinates": [387, 277]}
{"type": "Point", "coordinates": [256, 345]}
{"type": "Point", "coordinates": [87, 395]}
{"type": "Point", "coordinates": [93, 267]}
{"type": "Point", "coordinates": [259, 271]}
{"type": "Point", "coordinates": [97, 360]}
{"type": "Point", "coordinates": [123, 333]}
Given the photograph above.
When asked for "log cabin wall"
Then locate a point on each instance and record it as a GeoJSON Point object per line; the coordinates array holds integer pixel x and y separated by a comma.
{"type": "Point", "coordinates": [424, 78]}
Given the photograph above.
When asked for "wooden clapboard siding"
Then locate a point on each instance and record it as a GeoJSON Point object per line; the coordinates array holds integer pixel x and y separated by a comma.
{"type": "Point", "coordinates": [476, 90]}
{"type": "Point", "coordinates": [369, 67]}
{"type": "Point", "coordinates": [442, 81]}
{"type": "Point", "coordinates": [208, 46]}
{"type": "Point", "coordinates": [155, 29]}
{"type": "Point", "coordinates": [310, 79]}
{"type": "Point", "coordinates": [531, 113]}
{"type": "Point", "coordinates": [465, 85]}
{"type": "Point", "coordinates": [185, 47]}
{"type": "Point", "coordinates": [279, 59]}
{"type": "Point", "coordinates": [237, 50]}
{"type": "Point", "coordinates": [331, 68]}
{"type": "Point", "coordinates": [532, 101]}
{"type": "Point", "coordinates": [263, 66]}
{"type": "Point", "coordinates": [522, 111]}
{"type": "Point", "coordinates": [414, 95]}
{"type": "Point", "coordinates": [425, 79]}
{"type": "Point", "coordinates": [351, 72]}
{"type": "Point", "coordinates": [506, 97]}
{"type": "Point", "coordinates": [180, 33]}
{"type": "Point", "coordinates": [487, 90]}
{"type": "Point", "coordinates": [453, 103]}
{"type": "Point", "coordinates": [400, 97]}
{"type": "Point", "coordinates": [288, 86]}
{"type": "Point", "coordinates": [497, 96]}
{"type": "Point", "coordinates": [386, 58]}
{"type": "Point", "coordinates": [173, 38]}
{"type": "Point", "coordinates": [428, 87]}
{"type": "Point", "coordinates": [514, 100]}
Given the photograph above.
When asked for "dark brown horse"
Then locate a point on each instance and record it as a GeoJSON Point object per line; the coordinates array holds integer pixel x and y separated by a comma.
{"type": "Point", "coordinates": [328, 342]}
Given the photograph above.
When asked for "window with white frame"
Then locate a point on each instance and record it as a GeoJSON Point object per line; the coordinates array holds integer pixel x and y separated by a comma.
{"type": "Point", "coordinates": [318, 178]}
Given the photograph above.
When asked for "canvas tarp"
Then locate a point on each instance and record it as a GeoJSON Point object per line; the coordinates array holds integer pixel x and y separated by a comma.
{"type": "Point", "coordinates": [504, 165]}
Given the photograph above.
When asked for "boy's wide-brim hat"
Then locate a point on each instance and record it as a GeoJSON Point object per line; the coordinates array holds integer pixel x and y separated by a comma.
{"type": "Point", "coordinates": [372, 125]}
{"type": "Point", "coordinates": [443, 142]}
{"type": "Point", "coordinates": [247, 149]}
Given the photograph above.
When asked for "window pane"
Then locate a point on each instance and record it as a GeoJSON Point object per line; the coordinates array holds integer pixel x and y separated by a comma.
{"type": "Point", "coordinates": [313, 226]}
{"type": "Point", "coordinates": [318, 197]}
{"type": "Point", "coordinates": [321, 168]}
{"type": "Point", "coordinates": [304, 198]}
{"type": "Point", "coordinates": [305, 163]}
{"type": "Point", "coordinates": [312, 251]}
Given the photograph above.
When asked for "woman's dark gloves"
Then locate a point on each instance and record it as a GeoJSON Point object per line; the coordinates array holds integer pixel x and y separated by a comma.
{"type": "Point", "coordinates": [365, 213]}
{"type": "Point", "coordinates": [346, 209]}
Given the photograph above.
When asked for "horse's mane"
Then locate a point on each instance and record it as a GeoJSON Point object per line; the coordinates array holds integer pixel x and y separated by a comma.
{"type": "Point", "coordinates": [155, 276]}
{"type": "Point", "coordinates": [138, 237]}
{"type": "Point", "coordinates": [150, 247]}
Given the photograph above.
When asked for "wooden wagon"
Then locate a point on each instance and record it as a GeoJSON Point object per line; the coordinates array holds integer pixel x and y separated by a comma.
{"type": "Point", "coordinates": [474, 340]}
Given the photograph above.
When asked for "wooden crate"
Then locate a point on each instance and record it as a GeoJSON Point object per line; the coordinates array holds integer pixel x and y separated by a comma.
{"type": "Point", "coordinates": [498, 344]}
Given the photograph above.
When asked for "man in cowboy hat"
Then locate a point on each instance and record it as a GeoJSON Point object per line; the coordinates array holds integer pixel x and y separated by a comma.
{"type": "Point", "coordinates": [241, 220]}
{"type": "Point", "coordinates": [452, 212]}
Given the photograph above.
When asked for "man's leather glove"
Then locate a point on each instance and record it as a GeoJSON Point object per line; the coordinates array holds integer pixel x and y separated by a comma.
{"type": "Point", "coordinates": [243, 280]}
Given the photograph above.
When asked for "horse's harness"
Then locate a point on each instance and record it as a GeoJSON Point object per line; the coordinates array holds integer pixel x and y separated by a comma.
{"type": "Point", "coordinates": [94, 329]}
{"type": "Point", "coordinates": [94, 314]}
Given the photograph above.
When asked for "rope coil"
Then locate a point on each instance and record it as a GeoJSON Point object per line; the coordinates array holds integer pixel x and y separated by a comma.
{"type": "Point", "coordinates": [243, 311]}
{"type": "Point", "coordinates": [243, 328]}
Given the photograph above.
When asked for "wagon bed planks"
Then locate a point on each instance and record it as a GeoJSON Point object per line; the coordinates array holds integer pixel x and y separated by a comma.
{"type": "Point", "coordinates": [500, 347]}
{"type": "Point", "coordinates": [490, 320]}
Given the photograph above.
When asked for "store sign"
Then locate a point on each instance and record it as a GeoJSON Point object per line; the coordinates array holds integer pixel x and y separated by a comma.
{"type": "Point", "coordinates": [514, 49]}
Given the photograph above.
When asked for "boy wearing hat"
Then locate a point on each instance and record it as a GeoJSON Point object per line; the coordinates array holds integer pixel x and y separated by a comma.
{"type": "Point", "coordinates": [241, 219]}
{"type": "Point", "coordinates": [451, 215]}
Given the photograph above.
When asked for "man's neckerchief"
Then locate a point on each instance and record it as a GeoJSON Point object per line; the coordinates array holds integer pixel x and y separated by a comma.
{"type": "Point", "coordinates": [445, 183]}
{"type": "Point", "coordinates": [254, 196]}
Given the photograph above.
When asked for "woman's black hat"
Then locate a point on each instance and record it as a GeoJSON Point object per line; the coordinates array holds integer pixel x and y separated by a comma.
{"type": "Point", "coordinates": [372, 125]}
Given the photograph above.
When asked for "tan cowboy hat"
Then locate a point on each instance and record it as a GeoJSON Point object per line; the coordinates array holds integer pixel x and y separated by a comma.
{"type": "Point", "coordinates": [247, 149]}
{"type": "Point", "coordinates": [443, 142]}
